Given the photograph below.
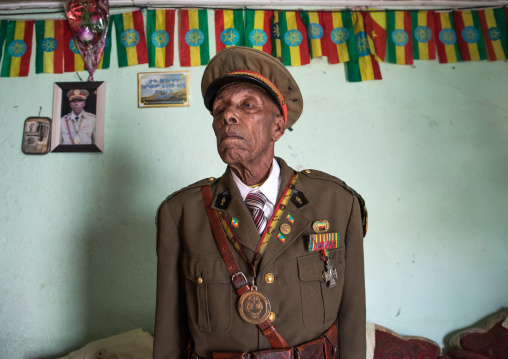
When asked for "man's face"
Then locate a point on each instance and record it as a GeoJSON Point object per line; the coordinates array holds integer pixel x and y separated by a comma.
{"type": "Point", "coordinates": [247, 123]}
{"type": "Point", "coordinates": [77, 106]}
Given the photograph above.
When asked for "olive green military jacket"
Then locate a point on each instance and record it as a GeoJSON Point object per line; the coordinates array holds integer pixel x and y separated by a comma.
{"type": "Point", "coordinates": [195, 296]}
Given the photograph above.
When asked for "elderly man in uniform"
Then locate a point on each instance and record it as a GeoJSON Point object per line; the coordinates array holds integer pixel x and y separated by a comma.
{"type": "Point", "coordinates": [263, 262]}
{"type": "Point", "coordinates": [77, 127]}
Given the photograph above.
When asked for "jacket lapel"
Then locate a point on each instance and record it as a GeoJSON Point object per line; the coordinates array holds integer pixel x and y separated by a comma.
{"type": "Point", "coordinates": [300, 221]}
{"type": "Point", "coordinates": [234, 207]}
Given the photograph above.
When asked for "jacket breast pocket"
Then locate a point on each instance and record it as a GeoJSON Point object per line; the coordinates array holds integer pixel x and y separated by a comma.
{"type": "Point", "coordinates": [208, 291]}
{"type": "Point", "coordinates": [320, 303]}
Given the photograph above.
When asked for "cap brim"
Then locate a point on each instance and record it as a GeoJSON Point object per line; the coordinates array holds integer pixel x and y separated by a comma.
{"type": "Point", "coordinates": [219, 83]}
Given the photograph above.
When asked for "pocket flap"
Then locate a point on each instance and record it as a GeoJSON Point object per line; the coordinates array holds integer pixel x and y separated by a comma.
{"type": "Point", "coordinates": [202, 270]}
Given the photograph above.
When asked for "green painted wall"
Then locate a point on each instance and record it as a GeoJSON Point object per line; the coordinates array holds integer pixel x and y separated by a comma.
{"type": "Point", "coordinates": [425, 146]}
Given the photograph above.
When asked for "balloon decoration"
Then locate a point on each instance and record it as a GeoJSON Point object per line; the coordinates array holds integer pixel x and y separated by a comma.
{"type": "Point", "coordinates": [88, 20]}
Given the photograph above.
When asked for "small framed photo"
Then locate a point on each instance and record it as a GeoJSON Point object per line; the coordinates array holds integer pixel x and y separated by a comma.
{"type": "Point", "coordinates": [78, 117]}
{"type": "Point", "coordinates": [163, 89]}
{"type": "Point", "coordinates": [36, 136]}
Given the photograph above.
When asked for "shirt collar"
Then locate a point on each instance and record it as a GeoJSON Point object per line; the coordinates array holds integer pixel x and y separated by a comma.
{"type": "Point", "coordinates": [269, 188]}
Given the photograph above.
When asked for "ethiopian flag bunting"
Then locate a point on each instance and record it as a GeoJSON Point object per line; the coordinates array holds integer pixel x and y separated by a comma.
{"type": "Point", "coordinates": [313, 21]}
{"type": "Point", "coordinates": [72, 59]}
{"type": "Point", "coordinates": [130, 39]}
{"type": "Point", "coordinates": [493, 23]}
{"type": "Point", "coordinates": [375, 28]}
{"type": "Point", "coordinates": [3, 31]}
{"type": "Point", "coordinates": [294, 43]}
{"type": "Point", "coordinates": [399, 37]}
{"type": "Point", "coordinates": [365, 67]}
{"type": "Point", "coordinates": [424, 39]}
{"type": "Point", "coordinates": [258, 30]}
{"type": "Point", "coordinates": [469, 35]}
{"type": "Point", "coordinates": [18, 48]}
{"type": "Point", "coordinates": [50, 43]}
{"type": "Point", "coordinates": [160, 29]}
{"type": "Point", "coordinates": [194, 48]}
{"type": "Point", "coordinates": [446, 42]}
{"type": "Point", "coordinates": [229, 28]}
{"type": "Point", "coordinates": [339, 35]}
{"type": "Point", "coordinates": [276, 46]}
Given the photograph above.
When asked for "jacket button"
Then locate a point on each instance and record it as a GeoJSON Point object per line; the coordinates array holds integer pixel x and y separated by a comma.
{"type": "Point", "coordinates": [271, 317]}
{"type": "Point", "coordinates": [211, 179]}
{"type": "Point", "coordinates": [269, 278]}
{"type": "Point", "coordinates": [199, 280]}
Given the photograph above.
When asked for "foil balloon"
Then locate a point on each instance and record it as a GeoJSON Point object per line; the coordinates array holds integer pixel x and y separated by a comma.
{"type": "Point", "coordinates": [88, 20]}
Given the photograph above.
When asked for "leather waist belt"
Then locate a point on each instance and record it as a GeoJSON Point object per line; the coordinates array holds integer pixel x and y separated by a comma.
{"type": "Point", "coordinates": [324, 347]}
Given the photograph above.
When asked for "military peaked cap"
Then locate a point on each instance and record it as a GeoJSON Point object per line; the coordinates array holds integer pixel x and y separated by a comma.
{"type": "Point", "coordinates": [243, 64]}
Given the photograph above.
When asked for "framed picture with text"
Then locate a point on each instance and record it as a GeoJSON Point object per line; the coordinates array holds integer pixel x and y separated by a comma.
{"type": "Point", "coordinates": [163, 89]}
{"type": "Point", "coordinates": [78, 117]}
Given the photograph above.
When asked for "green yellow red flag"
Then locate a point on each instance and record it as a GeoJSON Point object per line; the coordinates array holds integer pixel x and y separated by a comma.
{"type": "Point", "coordinates": [365, 67]}
{"type": "Point", "coordinates": [160, 30]}
{"type": "Point", "coordinates": [72, 59]}
{"type": "Point", "coordinates": [49, 41]}
{"type": "Point", "coordinates": [375, 28]}
{"type": "Point", "coordinates": [399, 37]}
{"type": "Point", "coordinates": [469, 35]}
{"type": "Point", "coordinates": [194, 46]}
{"type": "Point", "coordinates": [130, 39]}
{"type": "Point", "coordinates": [339, 35]}
{"type": "Point", "coordinates": [446, 41]}
{"type": "Point", "coordinates": [229, 28]}
{"type": "Point", "coordinates": [313, 21]}
{"type": "Point", "coordinates": [258, 29]}
{"type": "Point", "coordinates": [3, 31]}
{"type": "Point", "coordinates": [424, 37]}
{"type": "Point", "coordinates": [493, 24]}
{"type": "Point", "coordinates": [18, 48]}
{"type": "Point", "coordinates": [276, 43]}
{"type": "Point", "coordinates": [294, 42]}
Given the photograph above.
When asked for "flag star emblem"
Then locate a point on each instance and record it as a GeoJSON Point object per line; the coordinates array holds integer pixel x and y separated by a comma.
{"type": "Point", "coordinates": [293, 38]}
{"type": "Point", "coordinates": [362, 43]}
{"type": "Point", "coordinates": [315, 31]}
{"type": "Point", "coordinates": [160, 38]}
{"type": "Point", "coordinates": [229, 36]}
{"type": "Point", "coordinates": [493, 33]}
{"type": "Point", "coordinates": [129, 38]}
{"type": "Point", "coordinates": [447, 36]}
{"type": "Point", "coordinates": [258, 37]}
{"type": "Point", "coordinates": [17, 48]}
{"type": "Point", "coordinates": [194, 37]}
{"type": "Point", "coordinates": [470, 34]}
{"type": "Point", "coordinates": [48, 44]}
{"type": "Point", "coordinates": [400, 37]}
{"type": "Point", "coordinates": [339, 35]}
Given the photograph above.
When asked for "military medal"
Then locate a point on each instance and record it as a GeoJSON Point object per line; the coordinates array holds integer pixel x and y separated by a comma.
{"type": "Point", "coordinates": [323, 242]}
{"type": "Point", "coordinates": [321, 226]}
{"type": "Point", "coordinates": [254, 307]}
{"type": "Point", "coordinates": [285, 228]}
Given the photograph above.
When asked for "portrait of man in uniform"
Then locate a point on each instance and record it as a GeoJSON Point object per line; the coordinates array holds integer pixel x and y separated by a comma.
{"type": "Point", "coordinates": [77, 126]}
{"type": "Point", "coordinates": [263, 262]}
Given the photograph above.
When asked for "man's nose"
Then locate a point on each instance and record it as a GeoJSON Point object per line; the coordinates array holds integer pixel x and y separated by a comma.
{"type": "Point", "coordinates": [230, 116]}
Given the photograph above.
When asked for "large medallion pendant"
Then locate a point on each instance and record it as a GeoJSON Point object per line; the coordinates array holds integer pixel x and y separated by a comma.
{"type": "Point", "coordinates": [254, 307]}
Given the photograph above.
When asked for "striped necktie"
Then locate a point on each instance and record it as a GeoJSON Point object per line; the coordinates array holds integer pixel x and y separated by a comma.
{"type": "Point", "coordinates": [255, 202]}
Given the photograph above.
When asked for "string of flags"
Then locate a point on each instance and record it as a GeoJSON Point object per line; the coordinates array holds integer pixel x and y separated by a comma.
{"type": "Point", "coordinates": [359, 39]}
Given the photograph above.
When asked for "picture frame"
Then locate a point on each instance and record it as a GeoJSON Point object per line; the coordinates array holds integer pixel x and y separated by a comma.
{"type": "Point", "coordinates": [36, 136]}
{"type": "Point", "coordinates": [163, 89]}
{"type": "Point", "coordinates": [84, 131]}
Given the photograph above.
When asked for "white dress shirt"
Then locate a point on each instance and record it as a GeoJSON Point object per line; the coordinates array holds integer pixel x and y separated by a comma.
{"type": "Point", "coordinates": [270, 188]}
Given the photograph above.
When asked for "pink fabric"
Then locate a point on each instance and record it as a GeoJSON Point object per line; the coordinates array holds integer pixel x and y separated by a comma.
{"type": "Point", "coordinates": [390, 345]}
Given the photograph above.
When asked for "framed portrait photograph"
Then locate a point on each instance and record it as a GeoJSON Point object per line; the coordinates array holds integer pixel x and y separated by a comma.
{"type": "Point", "coordinates": [163, 89]}
{"type": "Point", "coordinates": [36, 136]}
{"type": "Point", "coordinates": [78, 117]}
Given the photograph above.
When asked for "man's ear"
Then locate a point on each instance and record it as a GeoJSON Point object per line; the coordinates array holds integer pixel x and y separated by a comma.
{"type": "Point", "coordinates": [278, 128]}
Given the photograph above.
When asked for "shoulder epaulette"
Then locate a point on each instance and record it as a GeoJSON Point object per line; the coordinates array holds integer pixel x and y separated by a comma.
{"type": "Point", "coordinates": [209, 180]}
{"type": "Point", "coordinates": [325, 176]}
